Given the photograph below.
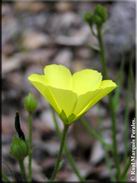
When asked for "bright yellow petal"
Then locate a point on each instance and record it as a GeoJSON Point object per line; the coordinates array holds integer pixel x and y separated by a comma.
{"type": "Point", "coordinates": [61, 100]}
{"type": "Point", "coordinates": [86, 80]}
{"type": "Point", "coordinates": [58, 76]}
{"type": "Point", "coordinates": [65, 99]}
{"type": "Point", "coordinates": [93, 97]}
{"type": "Point", "coordinates": [40, 83]}
{"type": "Point", "coordinates": [83, 100]}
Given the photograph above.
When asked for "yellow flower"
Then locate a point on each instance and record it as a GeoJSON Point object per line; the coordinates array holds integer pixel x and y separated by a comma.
{"type": "Point", "coordinates": [71, 95]}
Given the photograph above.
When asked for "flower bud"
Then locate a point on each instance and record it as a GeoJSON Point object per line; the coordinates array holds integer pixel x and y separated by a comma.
{"type": "Point", "coordinates": [30, 103]}
{"type": "Point", "coordinates": [97, 20]}
{"type": "Point", "coordinates": [100, 11]}
{"type": "Point", "coordinates": [98, 17]}
{"type": "Point", "coordinates": [88, 18]}
{"type": "Point", "coordinates": [18, 149]}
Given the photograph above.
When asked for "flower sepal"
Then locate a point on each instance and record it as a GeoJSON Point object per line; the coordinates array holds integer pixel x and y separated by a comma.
{"type": "Point", "coordinates": [65, 119]}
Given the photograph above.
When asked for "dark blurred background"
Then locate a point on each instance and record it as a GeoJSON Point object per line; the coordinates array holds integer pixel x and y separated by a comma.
{"type": "Point", "coordinates": [35, 34]}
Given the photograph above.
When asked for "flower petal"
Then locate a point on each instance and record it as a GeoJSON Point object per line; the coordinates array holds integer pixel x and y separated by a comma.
{"type": "Point", "coordinates": [59, 99]}
{"type": "Point", "coordinates": [58, 76]}
{"type": "Point", "coordinates": [65, 99]}
{"type": "Point", "coordinates": [40, 82]}
{"type": "Point", "coordinates": [93, 97]}
{"type": "Point", "coordinates": [83, 100]}
{"type": "Point", "coordinates": [86, 80]}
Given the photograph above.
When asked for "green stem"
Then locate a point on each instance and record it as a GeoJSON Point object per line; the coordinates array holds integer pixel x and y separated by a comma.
{"type": "Point", "coordinates": [102, 52]}
{"type": "Point", "coordinates": [111, 108]}
{"type": "Point", "coordinates": [126, 128]}
{"type": "Point", "coordinates": [60, 153]}
{"type": "Point", "coordinates": [30, 147]}
{"type": "Point", "coordinates": [73, 165]}
{"type": "Point", "coordinates": [126, 115]}
{"type": "Point", "coordinates": [93, 133]}
{"type": "Point", "coordinates": [123, 175]}
{"type": "Point", "coordinates": [109, 164]}
{"type": "Point", "coordinates": [98, 136]}
{"type": "Point", "coordinates": [114, 140]}
{"type": "Point", "coordinates": [67, 152]}
{"type": "Point", "coordinates": [22, 168]}
{"type": "Point", "coordinates": [55, 123]}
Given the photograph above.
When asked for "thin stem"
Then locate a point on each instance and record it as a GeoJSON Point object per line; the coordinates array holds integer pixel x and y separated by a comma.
{"type": "Point", "coordinates": [73, 165]}
{"type": "Point", "coordinates": [30, 147]}
{"type": "Point", "coordinates": [126, 128]}
{"type": "Point", "coordinates": [67, 152]}
{"type": "Point", "coordinates": [22, 168]}
{"type": "Point", "coordinates": [96, 135]}
{"type": "Point", "coordinates": [93, 32]}
{"type": "Point", "coordinates": [55, 123]}
{"type": "Point", "coordinates": [123, 175]}
{"type": "Point", "coordinates": [114, 140]}
{"type": "Point", "coordinates": [93, 133]}
{"type": "Point", "coordinates": [111, 108]}
{"type": "Point", "coordinates": [102, 52]}
{"type": "Point", "coordinates": [126, 119]}
{"type": "Point", "coordinates": [60, 153]}
{"type": "Point", "coordinates": [109, 164]}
